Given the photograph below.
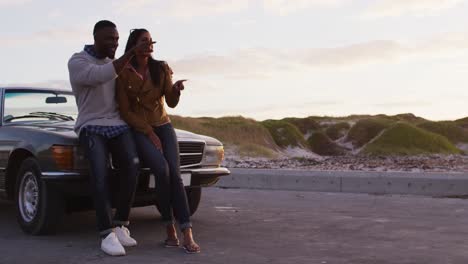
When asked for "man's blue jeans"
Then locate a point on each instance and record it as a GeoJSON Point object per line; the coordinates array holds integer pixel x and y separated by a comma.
{"type": "Point", "coordinates": [124, 154]}
{"type": "Point", "coordinates": [166, 168]}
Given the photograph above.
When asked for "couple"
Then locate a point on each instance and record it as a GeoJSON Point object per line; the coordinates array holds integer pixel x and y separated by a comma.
{"type": "Point", "coordinates": [121, 112]}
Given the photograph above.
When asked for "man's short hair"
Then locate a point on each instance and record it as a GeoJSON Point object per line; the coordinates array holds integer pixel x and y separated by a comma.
{"type": "Point", "coordinates": [103, 24]}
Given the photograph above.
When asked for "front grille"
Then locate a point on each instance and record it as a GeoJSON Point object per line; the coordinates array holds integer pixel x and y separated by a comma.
{"type": "Point", "coordinates": [191, 153]}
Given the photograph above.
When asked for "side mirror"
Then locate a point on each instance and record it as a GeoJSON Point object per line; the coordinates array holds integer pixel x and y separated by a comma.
{"type": "Point", "coordinates": [56, 100]}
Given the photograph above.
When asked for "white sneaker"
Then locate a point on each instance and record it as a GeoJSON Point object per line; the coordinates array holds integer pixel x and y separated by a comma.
{"type": "Point", "coordinates": [111, 245]}
{"type": "Point", "coordinates": [123, 234]}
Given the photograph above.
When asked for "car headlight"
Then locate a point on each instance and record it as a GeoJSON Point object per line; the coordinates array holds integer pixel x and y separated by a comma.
{"type": "Point", "coordinates": [214, 155]}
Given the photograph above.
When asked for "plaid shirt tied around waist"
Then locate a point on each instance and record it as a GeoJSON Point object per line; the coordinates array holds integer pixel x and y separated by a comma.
{"type": "Point", "coordinates": [106, 131]}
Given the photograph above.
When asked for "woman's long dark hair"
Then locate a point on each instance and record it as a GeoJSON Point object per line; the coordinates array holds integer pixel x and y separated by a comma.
{"type": "Point", "coordinates": [154, 66]}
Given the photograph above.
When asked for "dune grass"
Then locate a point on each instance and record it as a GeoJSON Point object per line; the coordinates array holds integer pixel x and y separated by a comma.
{"type": "Point", "coordinates": [366, 129]}
{"type": "Point", "coordinates": [338, 130]}
{"type": "Point", "coordinates": [463, 122]}
{"type": "Point", "coordinates": [341, 118]}
{"type": "Point", "coordinates": [305, 125]}
{"type": "Point", "coordinates": [410, 118]}
{"type": "Point", "coordinates": [251, 138]}
{"type": "Point", "coordinates": [321, 144]}
{"type": "Point", "coordinates": [405, 139]}
{"type": "Point", "coordinates": [248, 136]}
{"type": "Point", "coordinates": [448, 129]}
{"type": "Point", "coordinates": [284, 133]}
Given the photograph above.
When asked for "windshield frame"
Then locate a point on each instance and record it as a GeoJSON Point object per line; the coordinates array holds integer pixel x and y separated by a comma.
{"type": "Point", "coordinates": [4, 91]}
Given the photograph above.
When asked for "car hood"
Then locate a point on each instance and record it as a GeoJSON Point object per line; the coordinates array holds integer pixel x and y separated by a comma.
{"type": "Point", "coordinates": [186, 135]}
{"type": "Point", "coordinates": [62, 128]}
{"type": "Point", "coordinates": [67, 129]}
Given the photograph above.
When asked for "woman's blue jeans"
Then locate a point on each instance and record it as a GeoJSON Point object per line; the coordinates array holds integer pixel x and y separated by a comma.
{"type": "Point", "coordinates": [166, 169]}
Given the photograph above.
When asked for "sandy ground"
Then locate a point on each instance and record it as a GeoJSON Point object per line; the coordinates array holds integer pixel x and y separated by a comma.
{"type": "Point", "coordinates": [426, 163]}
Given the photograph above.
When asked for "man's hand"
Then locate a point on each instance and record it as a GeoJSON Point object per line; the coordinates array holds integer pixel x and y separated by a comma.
{"type": "Point", "coordinates": [179, 85]}
{"type": "Point", "coordinates": [156, 141]}
{"type": "Point", "coordinates": [121, 62]}
{"type": "Point", "coordinates": [143, 47]}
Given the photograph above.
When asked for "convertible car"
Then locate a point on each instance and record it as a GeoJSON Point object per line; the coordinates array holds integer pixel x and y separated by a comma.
{"type": "Point", "coordinates": [45, 172]}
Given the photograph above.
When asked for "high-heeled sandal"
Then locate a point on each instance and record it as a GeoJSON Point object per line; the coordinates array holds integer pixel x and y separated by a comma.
{"type": "Point", "coordinates": [192, 248]}
{"type": "Point", "coordinates": [170, 243]}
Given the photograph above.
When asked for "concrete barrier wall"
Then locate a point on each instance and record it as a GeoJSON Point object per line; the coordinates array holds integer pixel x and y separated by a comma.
{"type": "Point", "coordinates": [430, 184]}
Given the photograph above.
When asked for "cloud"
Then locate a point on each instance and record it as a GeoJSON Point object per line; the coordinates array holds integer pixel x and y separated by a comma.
{"type": "Point", "coordinates": [389, 8]}
{"type": "Point", "coordinates": [372, 51]}
{"type": "Point", "coordinates": [55, 14]}
{"type": "Point", "coordinates": [286, 7]}
{"type": "Point", "coordinates": [386, 51]}
{"type": "Point", "coordinates": [243, 23]}
{"type": "Point", "coordinates": [250, 63]}
{"type": "Point", "coordinates": [402, 104]}
{"type": "Point", "coordinates": [131, 6]}
{"type": "Point", "coordinates": [264, 110]}
{"type": "Point", "coordinates": [9, 3]}
{"type": "Point", "coordinates": [45, 36]}
{"type": "Point", "coordinates": [198, 8]}
{"type": "Point", "coordinates": [179, 8]}
{"type": "Point", "coordinates": [262, 63]}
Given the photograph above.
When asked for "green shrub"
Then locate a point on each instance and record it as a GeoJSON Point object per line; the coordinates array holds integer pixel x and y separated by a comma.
{"type": "Point", "coordinates": [247, 135]}
{"type": "Point", "coordinates": [366, 129]}
{"type": "Point", "coordinates": [410, 118]}
{"type": "Point", "coordinates": [406, 139]}
{"type": "Point", "coordinates": [321, 144]}
{"type": "Point", "coordinates": [337, 130]}
{"type": "Point", "coordinates": [305, 125]}
{"type": "Point", "coordinates": [448, 129]}
{"type": "Point", "coordinates": [284, 133]}
{"type": "Point", "coordinates": [463, 122]}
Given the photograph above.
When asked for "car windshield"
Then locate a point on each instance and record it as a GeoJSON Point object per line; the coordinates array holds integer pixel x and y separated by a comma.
{"type": "Point", "coordinates": [21, 106]}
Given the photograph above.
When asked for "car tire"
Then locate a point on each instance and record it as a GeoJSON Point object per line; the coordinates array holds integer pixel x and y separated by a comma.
{"type": "Point", "coordinates": [39, 207]}
{"type": "Point", "coordinates": [193, 199]}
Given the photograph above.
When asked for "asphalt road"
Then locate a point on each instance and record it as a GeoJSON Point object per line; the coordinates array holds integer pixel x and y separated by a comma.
{"type": "Point", "coordinates": [253, 226]}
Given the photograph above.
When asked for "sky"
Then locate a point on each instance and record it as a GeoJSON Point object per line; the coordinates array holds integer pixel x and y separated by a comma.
{"type": "Point", "coordinates": [264, 59]}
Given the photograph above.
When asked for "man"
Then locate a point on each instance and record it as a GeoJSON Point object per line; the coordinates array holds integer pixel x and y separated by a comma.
{"type": "Point", "coordinates": [101, 131]}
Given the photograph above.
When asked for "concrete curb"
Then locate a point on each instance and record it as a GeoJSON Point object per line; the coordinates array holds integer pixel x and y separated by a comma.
{"type": "Point", "coordinates": [429, 184]}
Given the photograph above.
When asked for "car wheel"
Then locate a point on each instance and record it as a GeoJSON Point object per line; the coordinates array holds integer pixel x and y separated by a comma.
{"type": "Point", "coordinates": [193, 198]}
{"type": "Point", "coordinates": [38, 206]}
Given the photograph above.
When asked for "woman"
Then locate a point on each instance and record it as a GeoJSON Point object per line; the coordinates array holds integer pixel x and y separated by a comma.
{"type": "Point", "coordinates": [142, 87]}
